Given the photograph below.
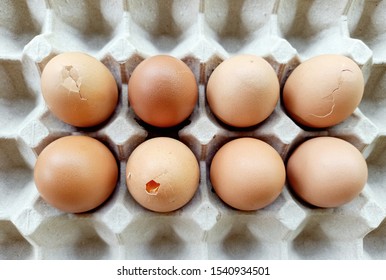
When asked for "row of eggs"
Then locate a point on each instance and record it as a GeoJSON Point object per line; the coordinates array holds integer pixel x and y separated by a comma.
{"type": "Point", "coordinates": [242, 91]}
{"type": "Point", "coordinates": [78, 173]}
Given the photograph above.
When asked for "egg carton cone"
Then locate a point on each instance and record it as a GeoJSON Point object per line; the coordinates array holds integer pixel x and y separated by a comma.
{"type": "Point", "coordinates": [202, 33]}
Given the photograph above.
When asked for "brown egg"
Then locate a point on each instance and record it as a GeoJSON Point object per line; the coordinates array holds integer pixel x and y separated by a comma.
{"type": "Point", "coordinates": [162, 174]}
{"type": "Point", "coordinates": [79, 89]}
{"type": "Point", "coordinates": [162, 91]}
{"type": "Point", "coordinates": [323, 91]}
{"type": "Point", "coordinates": [327, 171]}
{"type": "Point", "coordinates": [243, 90]}
{"type": "Point", "coordinates": [247, 174]}
{"type": "Point", "coordinates": [75, 173]}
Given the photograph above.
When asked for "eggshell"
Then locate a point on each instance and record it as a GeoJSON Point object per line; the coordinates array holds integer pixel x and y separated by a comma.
{"type": "Point", "coordinates": [75, 173]}
{"type": "Point", "coordinates": [162, 174]}
{"type": "Point", "coordinates": [327, 171]}
{"type": "Point", "coordinates": [79, 89]}
{"type": "Point", "coordinates": [323, 91]}
{"type": "Point", "coordinates": [247, 174]}
{"type": "Point", "coordinates": [162, 91]}
{"type": "Point", "coordinates": [243, 90]}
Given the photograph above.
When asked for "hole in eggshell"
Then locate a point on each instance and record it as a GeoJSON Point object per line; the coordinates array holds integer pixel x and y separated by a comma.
{"type": "Point", "coordinates": [152, 187]}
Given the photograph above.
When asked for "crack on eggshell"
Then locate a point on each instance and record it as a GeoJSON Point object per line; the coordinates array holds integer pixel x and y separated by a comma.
{"type": "Point", "coordinates": [331, 96]}
{"type": "Point", "coordinates": [172, 197]}
{"type": "Point", "coordinates": [71, 80]}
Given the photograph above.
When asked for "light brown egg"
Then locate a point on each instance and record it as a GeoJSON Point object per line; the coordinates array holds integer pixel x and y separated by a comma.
{"type": "Point", "coordinates": [323, 91]}
{"type": "Point", "coordinates": [79, 89]}
{"type": "Point", "coordinates": [75, 173]}
{"type": "Point", "coordinates": [327, 171]}
{"type": "Point", "coordinates": [162, 174]}
{"type": "Point", "coordinates": [247, 174]}
{"type": "Point", "coordinates": [243, 90]}
{"type": "Point", "coordinates": [162, 91]}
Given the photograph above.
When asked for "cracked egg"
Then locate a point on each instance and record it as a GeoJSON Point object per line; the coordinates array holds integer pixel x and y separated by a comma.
{"type": "Point", "coordinates": [162, 174]}
{"type": "Point", "coordinates": [79, 89]}
{"type": "Point", "coordinates": [323, 91]}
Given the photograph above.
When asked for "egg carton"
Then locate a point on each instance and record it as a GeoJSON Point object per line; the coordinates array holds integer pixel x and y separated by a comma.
{"type": "Point", "coordinates": [122, 33]}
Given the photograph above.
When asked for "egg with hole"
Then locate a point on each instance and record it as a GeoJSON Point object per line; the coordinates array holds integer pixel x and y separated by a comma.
{"type": "Point", "coordinates": [162, 174]}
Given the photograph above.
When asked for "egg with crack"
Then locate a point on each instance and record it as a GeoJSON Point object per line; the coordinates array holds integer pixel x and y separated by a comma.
{"type": "Point", "coordinates": [323, 91]}
{"type": "Point", "coordinates": [162, 174]}
{"type": "Point", "coordinates": [79, 89]}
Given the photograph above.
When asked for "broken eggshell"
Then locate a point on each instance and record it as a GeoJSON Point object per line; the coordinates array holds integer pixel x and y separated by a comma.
{"type": "Point", "coordinates": [79, 89]}
{"type": "Point", "coordinates": [323, 91]}
{"type": "Point", "coordinates": [162, 174]}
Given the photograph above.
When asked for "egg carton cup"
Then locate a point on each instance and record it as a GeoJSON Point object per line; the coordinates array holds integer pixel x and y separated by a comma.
{"type": "Point", "coordinates": [121, 34]}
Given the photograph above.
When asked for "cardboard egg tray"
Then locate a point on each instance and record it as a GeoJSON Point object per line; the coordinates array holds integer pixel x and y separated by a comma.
{"type": "Point", "coordinates": [121, 33]}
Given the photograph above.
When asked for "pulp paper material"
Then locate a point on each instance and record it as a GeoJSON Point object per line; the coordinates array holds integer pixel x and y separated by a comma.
{"type": "Point", "coordinates": [202, 33]}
